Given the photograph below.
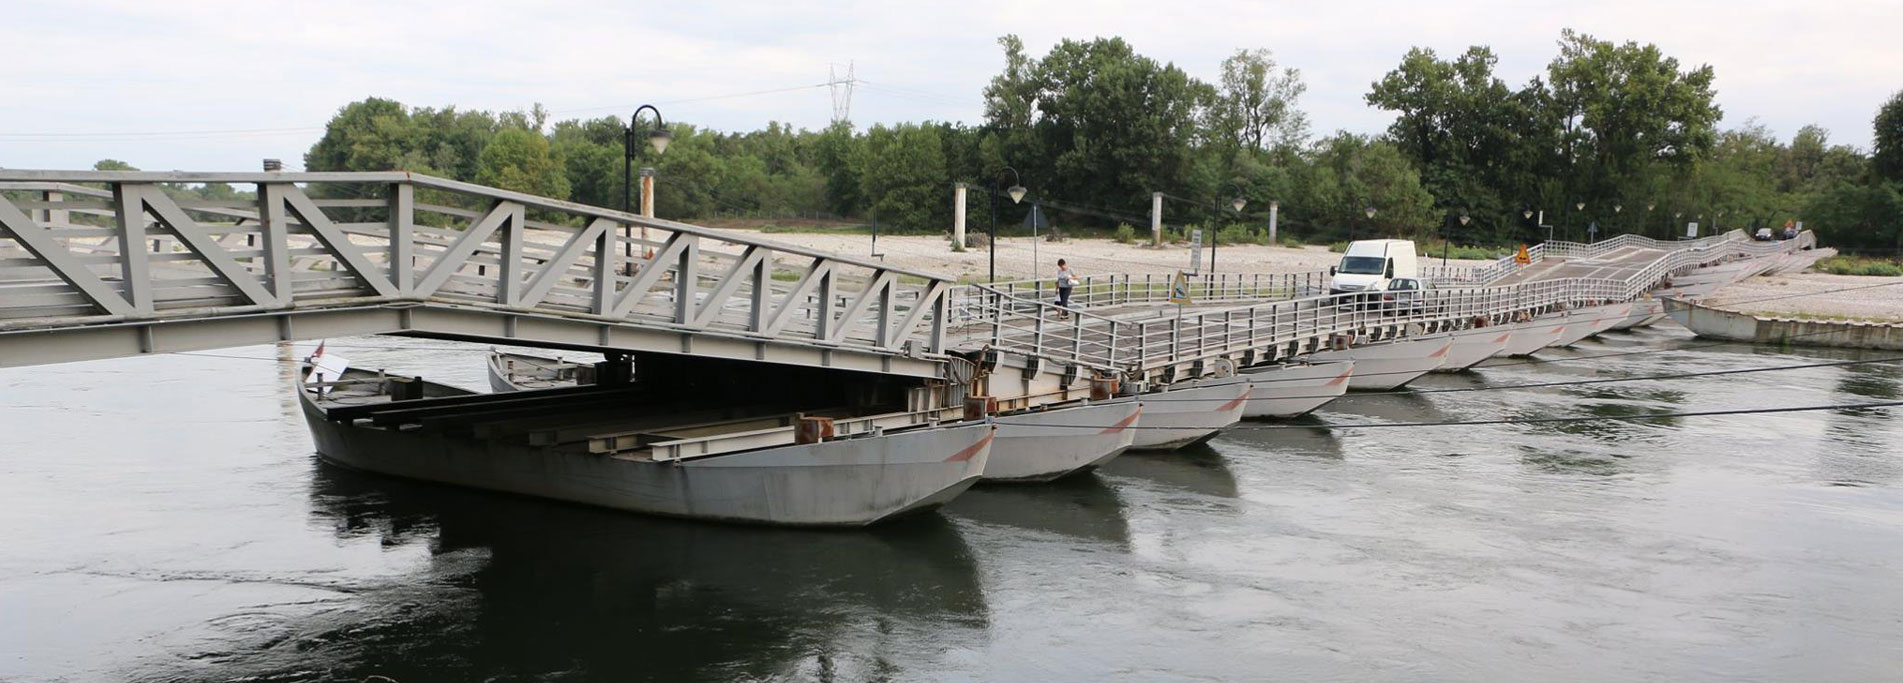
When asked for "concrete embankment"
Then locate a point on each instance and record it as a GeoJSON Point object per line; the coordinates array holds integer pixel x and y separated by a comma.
{"type": "Point", "coordinates": [1719, 323]}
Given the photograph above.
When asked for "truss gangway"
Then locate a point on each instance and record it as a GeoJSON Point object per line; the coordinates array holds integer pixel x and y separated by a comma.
{"type": "Point", "coordinates": [1138, 335]}
{"type": "Point", "coordinates": [99, 264]}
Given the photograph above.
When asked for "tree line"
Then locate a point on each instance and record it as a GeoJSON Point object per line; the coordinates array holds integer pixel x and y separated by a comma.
{"type": "Point", "coordinates": [1612, 137]}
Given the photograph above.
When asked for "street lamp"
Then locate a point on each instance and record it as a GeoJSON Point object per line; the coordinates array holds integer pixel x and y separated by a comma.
{"type": "Point", "coordinates": [1446, 240]}
{"type": "Point", "coordinates": [1016, 191]}
{"type": "Point", "coordinates": [658, 139]}
{"type": "Point", "coordinates": [1215, 230]}
{"type": "Point", "coordinates": [1579, 207]}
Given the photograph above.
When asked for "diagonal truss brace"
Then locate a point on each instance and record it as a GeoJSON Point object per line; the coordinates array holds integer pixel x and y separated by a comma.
{"type": "Point", "coordinates": [62, 262]}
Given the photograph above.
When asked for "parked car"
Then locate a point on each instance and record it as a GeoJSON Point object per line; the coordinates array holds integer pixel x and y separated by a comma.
{"type": "Point", "coordinates": [1763, 235]}
{"type": "Point", "coordinates": [1404, 296]}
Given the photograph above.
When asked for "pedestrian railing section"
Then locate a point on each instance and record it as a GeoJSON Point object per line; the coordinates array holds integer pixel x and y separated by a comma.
{"type": "Point", "coordinates": [1106, 291]}
{"type": "Point", "coordinates": [1509, 264]}
{"type": "Point", "coordinates": [1137, 344]}
{"type": "Point", "coordinates": [94, 246]}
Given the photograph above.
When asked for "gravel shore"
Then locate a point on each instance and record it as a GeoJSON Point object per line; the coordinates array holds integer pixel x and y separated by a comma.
{"type": "Point", "coordinates": [1817, 295]}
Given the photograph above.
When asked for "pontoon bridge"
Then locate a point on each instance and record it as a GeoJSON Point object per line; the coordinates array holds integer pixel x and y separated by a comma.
{"type": "Point", "coordinates": [98, 264]}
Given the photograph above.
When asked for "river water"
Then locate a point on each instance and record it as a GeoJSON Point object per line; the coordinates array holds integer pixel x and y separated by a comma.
{"type": "Point", "coordinates": [163, 518]}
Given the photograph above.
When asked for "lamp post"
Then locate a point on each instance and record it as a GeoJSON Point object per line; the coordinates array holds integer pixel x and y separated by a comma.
{"type": "Point", "coordinates": [1580, 208]}
{"type": "Point", "coordinates": [1017, 195]}
{"type": "Point", "coordinates": [1236, 204]}
{"type": "Point", "coordinates": [1351, 219]}
{"type": "Point", "coordinates": [1616, 208]}
{"type": "Point", "coordinates": [658, 139]}
{"type": "Point", "coordinates": [1446, 241]}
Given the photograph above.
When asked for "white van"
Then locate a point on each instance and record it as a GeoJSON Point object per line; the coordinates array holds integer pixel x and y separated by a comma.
{"type": "Point", "coordinates": [1369, 265]}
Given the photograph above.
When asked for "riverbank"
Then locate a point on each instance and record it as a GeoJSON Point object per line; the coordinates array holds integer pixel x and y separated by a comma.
{"type": "Point", "coordinates": [1816, 295]}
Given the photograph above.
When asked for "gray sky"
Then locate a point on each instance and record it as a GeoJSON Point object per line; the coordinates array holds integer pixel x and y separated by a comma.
{"type": "Point", "coordinates": [215, 85]}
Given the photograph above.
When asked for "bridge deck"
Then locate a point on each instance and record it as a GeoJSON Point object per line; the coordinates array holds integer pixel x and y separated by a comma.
{"type": "Point", "coordinates": [1145, 337]}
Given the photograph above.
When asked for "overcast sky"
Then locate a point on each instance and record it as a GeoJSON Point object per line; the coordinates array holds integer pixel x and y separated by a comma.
{"type": "Point", "coordinates": [215, 86]}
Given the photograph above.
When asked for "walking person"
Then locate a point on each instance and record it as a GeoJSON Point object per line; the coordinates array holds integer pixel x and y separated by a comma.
{"type": "Point", "coordinates": [1065, 281]}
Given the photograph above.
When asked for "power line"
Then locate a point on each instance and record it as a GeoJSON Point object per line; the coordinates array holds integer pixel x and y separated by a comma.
{"type": "Point", "coordinates": [158, 133]}
{"type": "Point", "coordinates": [131, 136]}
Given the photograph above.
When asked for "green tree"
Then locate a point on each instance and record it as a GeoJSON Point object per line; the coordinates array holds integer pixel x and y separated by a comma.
{"type": "Point", "coordinates": [903, 174]}
{"type": "Point", "coordinates": [1887, 162]}
{"type": "Point", "coordinates": [520, 160]}
{"type": "Point", "coordinates": [1624, 107]}
{"type": "Point", "coordinates": [1460, 125]}
{"type": "Point", "coordinates": [1256, 104]}
{"type": "Point", "coordinates": [1105, 124]}
{"type": "Point", "coordinates": [1351, 173]}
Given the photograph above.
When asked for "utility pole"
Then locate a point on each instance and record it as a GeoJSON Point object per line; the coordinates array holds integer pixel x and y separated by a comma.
{"type": "Point", "coordinates": [1274, 208]}
{"type": "Point", "coordinates": [958, 215]}
{"type": "Point", "coordinates": [1156, 219]}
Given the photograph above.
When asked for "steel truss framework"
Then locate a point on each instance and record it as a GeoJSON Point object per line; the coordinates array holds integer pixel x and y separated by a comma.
{"type": "Point", "coordinates": [99, 264]}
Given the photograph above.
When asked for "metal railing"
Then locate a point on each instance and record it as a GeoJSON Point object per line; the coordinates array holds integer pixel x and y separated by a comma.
{"type": "Point", "coordinates": [1136, 345]}
{"type": "Point", "coordinates": [92, 247]}
{"type": "Point", "coordinates": [1509, 264]}
{"type": "Point", "coordinates": [1107, 291]}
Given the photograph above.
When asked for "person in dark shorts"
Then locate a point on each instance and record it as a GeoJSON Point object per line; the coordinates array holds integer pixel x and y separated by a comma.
{"type": "Point", "coordinates": [1065, 281]}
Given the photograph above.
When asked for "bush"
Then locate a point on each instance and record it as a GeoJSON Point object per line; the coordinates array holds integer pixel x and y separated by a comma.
{"type": "Point", "coordinates": [1856, 265]}
{"type": "Point", "coordinates": [1338, 247]}
{"type": "Point", "coordinates": [1292, 243]}
{"type": "Point", "coordinates": [1242, 234]}
{"type": "Point", "coordinates": [1126, 234]}
{"type": "Point", "coordinates": [1462, 251]}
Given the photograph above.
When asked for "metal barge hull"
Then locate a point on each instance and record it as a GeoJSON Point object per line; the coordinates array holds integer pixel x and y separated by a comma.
{"type": "Point", "coordinates": [1533, 335]}
{"type": "Point", "coordinates": [1043, 445]}
{"type": "Point", "coordinates": [1191, 414]}
{"type": "Point", "coordinates": [1294, 390]}
{"type": "Point", "coordinates": [847, 482]}
{"type": "Point", "coordinates": [1474, 345]}
{"type": "Point", "coordinates": [1390, 365]}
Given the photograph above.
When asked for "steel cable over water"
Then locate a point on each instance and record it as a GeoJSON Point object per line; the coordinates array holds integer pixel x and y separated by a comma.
{"type": "Point", "coordinates": [1510, 421]}
{"type": "Point", "coordinates": [1568, 383]}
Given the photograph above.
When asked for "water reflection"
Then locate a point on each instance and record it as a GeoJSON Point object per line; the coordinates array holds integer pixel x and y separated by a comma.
{"type": "Point", "coordinates": [599, 594]}
{"type": "Point", "coordinates": [1195, 469]}
{"type": "Point", "coordinates": [1079, 506]}
{"type": "Point", "coordinates": [1573, 461]}
{"type": "Point", "coordinates": [1399, 407]}
{"type": "Point", "coordinates": [1871, 381]}
{"type": "Point", "coordinates": [1288, 438]}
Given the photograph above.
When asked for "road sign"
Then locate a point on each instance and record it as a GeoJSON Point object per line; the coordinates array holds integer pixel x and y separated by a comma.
{"type": "Point", "coordinates": [1179, 289]}
{"type": "Point", "coordinates": [1195, 251]}
{"type": "Point", "coordinates": [1691, 229]}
